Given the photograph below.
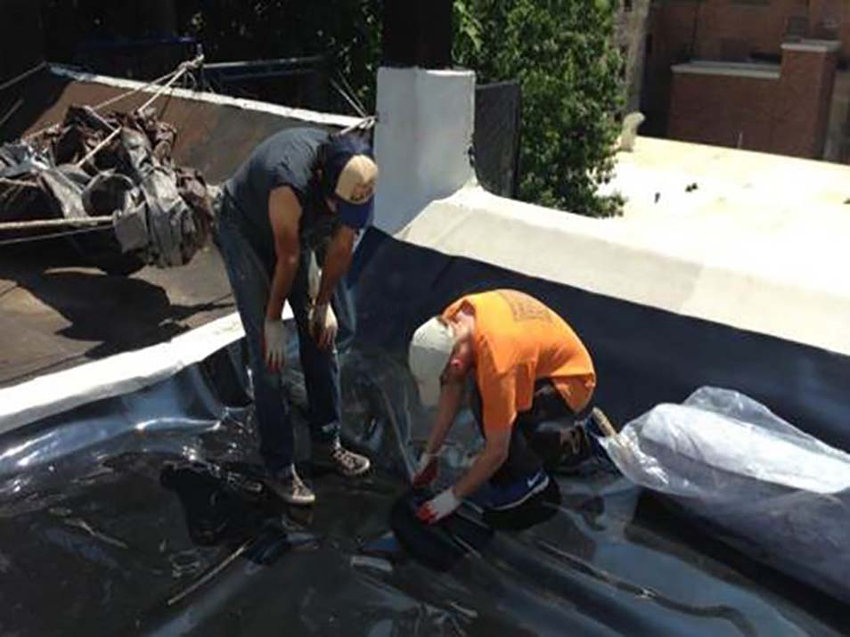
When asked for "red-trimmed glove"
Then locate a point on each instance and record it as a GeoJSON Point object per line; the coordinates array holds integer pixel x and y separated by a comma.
{"type": "Point", "coordinates": [438, 508]}
{"type": "Point", "coordinates": [426, 470]}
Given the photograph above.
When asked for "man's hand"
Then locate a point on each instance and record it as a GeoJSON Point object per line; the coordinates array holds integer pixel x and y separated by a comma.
{"type": "Point", "coordinates": [323, 325]}
{"type": "Point", "coordinates": [426, 470]}
{"type": "Point", "coordinates": [274, 343]}
{"type": "Point", "coordinates": [438, 508]}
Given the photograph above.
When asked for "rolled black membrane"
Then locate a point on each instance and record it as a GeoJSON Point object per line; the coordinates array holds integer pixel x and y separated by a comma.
{"type": "Point", "coordinates": [142, 515]}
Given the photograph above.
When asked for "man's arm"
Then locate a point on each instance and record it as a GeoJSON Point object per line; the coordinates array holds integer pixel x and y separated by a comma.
{"type": "Point", "coordinates": [451, 395]}
{"type": "Point", "coordinates": [323, 323]}
{"type": "Point", "coordinates": [284, 215]}
{"type": "Point", "coordinates": [498, 396]}
{"type": "Point", "coordinates": [337, 261]}
{"type": "Point", "coordinates": [486, 464]}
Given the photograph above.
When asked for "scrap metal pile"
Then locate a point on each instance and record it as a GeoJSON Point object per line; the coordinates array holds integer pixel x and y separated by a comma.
{"type": "Point", "coordinates": [116, 167]}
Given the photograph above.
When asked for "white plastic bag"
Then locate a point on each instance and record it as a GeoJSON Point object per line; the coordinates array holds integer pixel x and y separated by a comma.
{"type": "Point", "coordinates": [779, 494]}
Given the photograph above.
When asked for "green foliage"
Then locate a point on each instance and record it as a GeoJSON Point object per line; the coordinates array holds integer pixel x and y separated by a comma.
{"type": "Point", "coordinates": [561, 51]}
{"type": "Point", "coordinates": [563, 54]}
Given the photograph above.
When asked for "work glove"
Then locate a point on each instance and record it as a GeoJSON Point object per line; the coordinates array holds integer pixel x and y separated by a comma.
{"type": "Point", "coordinates": [438, 508]}
{"type": "Point", "coordinates": [323, 325]}
{"type": "Point", "coordinates": [274, 344]}
{"type": "Point", "coordinates": [426, 470]}
{"type": "Point", "coordinates": [314, 278]}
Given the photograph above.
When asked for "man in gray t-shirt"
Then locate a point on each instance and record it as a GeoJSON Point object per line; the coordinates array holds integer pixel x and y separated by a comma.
{"type": "Point", "coordinates": [302, 196]}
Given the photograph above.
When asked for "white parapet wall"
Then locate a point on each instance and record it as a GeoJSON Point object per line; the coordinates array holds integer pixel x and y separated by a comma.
{"type": "Point", "coordinates": [781, 279]}
{"type": "Point", "coordinates": [423, 140]}
{"type": "Point", "coordinates": [116, 375]}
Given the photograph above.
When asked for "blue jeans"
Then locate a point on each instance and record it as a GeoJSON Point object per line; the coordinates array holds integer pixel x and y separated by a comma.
{"type": "Point", "coordinates": [250, 280]}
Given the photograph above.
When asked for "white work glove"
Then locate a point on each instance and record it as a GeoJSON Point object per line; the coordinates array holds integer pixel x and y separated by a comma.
{"type": "Point", "coordinates": [274, 344]}
{"type": "Point", "coordinates": [438, 508]}
{"type": "Point", "coordinates": [314, 278]}
{"type": "Point", "coordinates": [426, 470]}
{"type": "Point", "coordinates": [323, 325]}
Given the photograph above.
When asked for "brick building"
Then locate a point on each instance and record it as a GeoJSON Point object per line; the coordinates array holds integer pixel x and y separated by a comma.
{"type": "Point", "coordinates": [632, 19]}
{"type": "Point", "coordinates": [766, 75]}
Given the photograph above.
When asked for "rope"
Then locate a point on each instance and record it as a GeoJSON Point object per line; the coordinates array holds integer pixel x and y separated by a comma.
{"type": "Point", "coordinates": [17, 182]}
{"type": "Point", "coordinates": [144, 87]}
{"type": "Point", "coordinates": [184, 67]}
{"type": "Point", "coordinates": [357, 108]}
{"type": "Point", "coordinates": [15, 108]}
{"type": "Point", "coordinates": [366, 123]}
{"type": "Point", "coordinates": [352, 92]}
{"type": "Point", "coordinates": [38, 224]}
{"type": "Point", "coordinates": [22, 76]}
{"type": "Point", "coordinates": [54, 235]}
{"type": "Point", "coordinates": [138, 89]}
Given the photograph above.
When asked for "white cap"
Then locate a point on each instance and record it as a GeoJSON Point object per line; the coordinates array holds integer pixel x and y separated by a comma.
{"type": "Point", "coordinates": [430, 350]}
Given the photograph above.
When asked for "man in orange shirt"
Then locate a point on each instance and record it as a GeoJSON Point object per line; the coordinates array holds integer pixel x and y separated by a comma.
{"type": "Point", "coordinates": [529, 368]}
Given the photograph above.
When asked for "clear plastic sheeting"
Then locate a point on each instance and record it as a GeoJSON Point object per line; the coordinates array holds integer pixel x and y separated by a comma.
{"type": "Point", "coordinates": [777, 493]}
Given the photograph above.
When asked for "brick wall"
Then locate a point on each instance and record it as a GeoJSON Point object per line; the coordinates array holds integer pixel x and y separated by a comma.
{"type": "Point", "coordinates": [729, 30]}
{"type": "Point", "coordinates": [760, 27]}
{"type": "Point", "coordinates": [708, 27]}
{"type": "Point", "coordinates": [723, 110]}
{"type": "Point", "coordinates": [803, 101]}
{"type": "Point", "coordinates": [778, 109]}
{"type": "Point", "coordinates": [830, 19]}
{"type": "Point", "coordinates": [631, 38]}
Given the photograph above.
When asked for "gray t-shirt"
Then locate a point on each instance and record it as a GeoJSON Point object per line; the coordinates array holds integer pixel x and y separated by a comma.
{"type": "Point", "coordinates": [286, 158]}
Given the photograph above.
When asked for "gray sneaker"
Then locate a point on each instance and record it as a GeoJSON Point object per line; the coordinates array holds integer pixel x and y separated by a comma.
{"type": "Point", "coordinates": [343, 461]}
{"type": "Point", "coordinates": [288, 486]}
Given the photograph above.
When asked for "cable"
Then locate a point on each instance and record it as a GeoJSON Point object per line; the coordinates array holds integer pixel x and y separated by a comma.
{"type": "Point", "coordinates": [17, 182]}
{"type": "Point", "coordinates": [9, 289]}
{"type": "Point", "coordinates": [40, 224]}
{"type": "Point", "coordinates": [144, 87]}
{"type": "Point", "coordinates": [357, 108]}
{"type": "Point", "coordinates": [54, 235]}
{"type": "Point", "coordinates": [184, 67]}
{"type": "Point", "coordinates": [22, 76]}
{"type": "Point", "coordinates": [138, 89]}
{"type": "Point", "coordinates": [351, 91]}
{"type": "Point", "coordinates": [366, 123]}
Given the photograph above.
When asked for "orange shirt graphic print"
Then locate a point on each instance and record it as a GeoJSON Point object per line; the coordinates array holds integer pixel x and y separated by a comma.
{"type": "Point", "coordinates": [519, 340]}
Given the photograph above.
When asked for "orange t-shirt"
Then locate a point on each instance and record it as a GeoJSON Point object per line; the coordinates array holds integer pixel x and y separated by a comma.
{"type": "Point", "coordinates": [517, 341]}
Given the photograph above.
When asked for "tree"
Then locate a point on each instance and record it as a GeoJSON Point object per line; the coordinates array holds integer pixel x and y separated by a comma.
{"type": "Point", "coordinates": [564, 56]}
{"type": "Point", "coordinates": [561, 51]}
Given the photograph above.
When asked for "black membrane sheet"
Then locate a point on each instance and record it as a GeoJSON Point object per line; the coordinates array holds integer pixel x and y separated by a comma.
{"type": "Point", "coordinates": [139, 515]}
{"type": "Point", "coordinates": [143, 515]}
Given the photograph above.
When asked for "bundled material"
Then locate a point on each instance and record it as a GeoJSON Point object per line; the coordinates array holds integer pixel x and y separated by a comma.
{"type": "Point", "coordinates": [119, 165]}
{"type": "Point", "coordinates": [768, 488]}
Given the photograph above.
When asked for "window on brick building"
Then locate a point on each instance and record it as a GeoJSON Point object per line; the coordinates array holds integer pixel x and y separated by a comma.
{"type": "Point", "coordinates": [797, 26]}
